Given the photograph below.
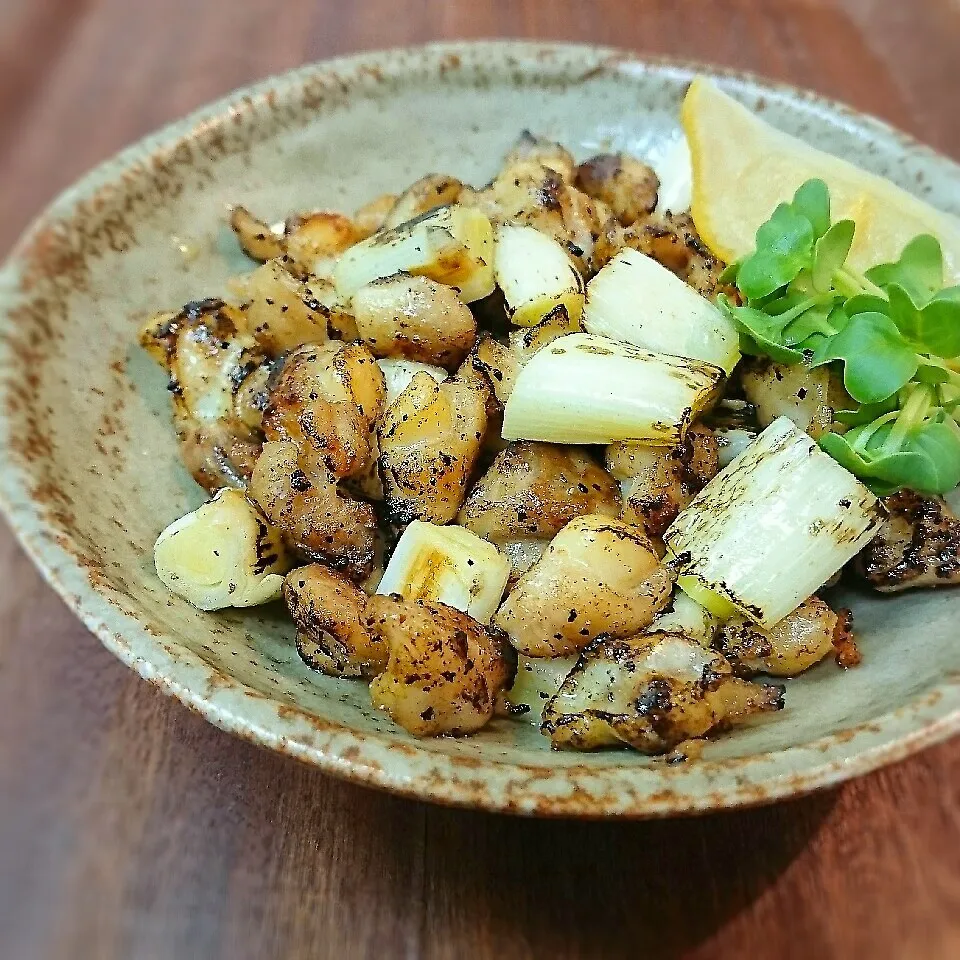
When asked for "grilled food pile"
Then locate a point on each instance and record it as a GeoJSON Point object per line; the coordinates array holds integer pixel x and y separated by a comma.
{"type": "Point", "coordinates": [497, 452]}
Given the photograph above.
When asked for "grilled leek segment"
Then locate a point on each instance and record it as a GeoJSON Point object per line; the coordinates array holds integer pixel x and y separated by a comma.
{"type": "Point", "coordinates": [452, 245]}
{"type": "Point", "coordinates": [223, 554]}
{"type": "Point", "coordinates": [650, 691]}
{"type": "Point", "coordinates": [536, 275]}
{"type": "Point", "coordinates": [772, 528]}
{"type": "Point", "coordinates": [635, 299]}
{"type": "Point", "coordinates": [587, 389]}
{"type": "Point", "coordinates": [448, 565]}
{"type": "Point", "coordinates": [598, 576]}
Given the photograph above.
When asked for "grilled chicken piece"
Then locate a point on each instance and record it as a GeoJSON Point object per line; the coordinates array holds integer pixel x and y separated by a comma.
{"type": "Point", "coordinates": [371, 216]}
{"type": "Point", "coordinates": [528, 192]}
{"type": "Point", "coordinates": [278, 310]}
{"type": "Point", "coordinates": [257, 239]}
{"type": "Point", "coordinates": [536, 489]}
{"type": "Point", "coordinates": [598, 576]}
{"type": "Point", "coordinates": [445, 669]}
{"type": "Point", "coordinates": [672, 240]}
{"type": "Point", "coordinates": [918, 545]}
{"type": "Point", "coordinates": [313, 241]}
{"type": "Point", "coordinates": [430, 439]}
{"type": "Point", "coordinates": [808, 397]}
{"type": "Point", "coordinates": [414, 318]}
{"type": "Point", "coordinates": [309, 244]}
{"type": "Point", "coordinates": [795, 644]}
{"type": "Point", "coordinates": [422, 196]}
{"type": "Point", "coordinates": [320, 427]}
{"type": "Point", "coordinates": [650, 692]}
{"type": "Point", "coordinates": [531, 147]}
{"type": "Point", "coordinates": [218, 379]}
{"type": "Point", "coordinates": [627, 185]}
{"type": "Point", "coordinates": [660, 481]}
{"type": "Point", "coordinates": [332, 632]}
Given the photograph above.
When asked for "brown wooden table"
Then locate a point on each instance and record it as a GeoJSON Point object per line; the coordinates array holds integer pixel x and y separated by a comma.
{"type": "Point", "coordinates": [130, 828]}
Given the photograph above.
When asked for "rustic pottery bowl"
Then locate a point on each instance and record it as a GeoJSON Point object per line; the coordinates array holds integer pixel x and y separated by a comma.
{"type": "Point", "coordinates": [90, 467]}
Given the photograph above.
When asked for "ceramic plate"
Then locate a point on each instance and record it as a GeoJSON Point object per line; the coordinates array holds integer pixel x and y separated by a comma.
{"type": "Point", "coordinates": [90, 467]}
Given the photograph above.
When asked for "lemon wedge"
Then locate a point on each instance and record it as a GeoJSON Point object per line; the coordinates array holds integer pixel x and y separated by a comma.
{"type": "Point", "coordinates": [743, 167]}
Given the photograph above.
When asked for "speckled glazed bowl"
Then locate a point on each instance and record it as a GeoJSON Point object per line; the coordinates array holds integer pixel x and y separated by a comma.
{"type": "Point", "coordinates": [91, 473]}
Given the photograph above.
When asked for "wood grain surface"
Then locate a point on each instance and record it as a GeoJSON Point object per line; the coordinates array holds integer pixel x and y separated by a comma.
{"type": "Point", "coordinates": [131, 829]}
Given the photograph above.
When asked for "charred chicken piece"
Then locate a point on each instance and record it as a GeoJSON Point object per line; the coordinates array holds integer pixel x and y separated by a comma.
{"type": "Point", "coordinates": [313, 241]}
{"type": "Point", "coordinates": [532, 147]}
{"type": "Point", "coordinates": [808, 397]}
{"type": "Point", "coordinates": [422, 196]}
{"type": "Point", "coordinates": [320, 427]}
{"type": "Point", "coordinates": [672, 240]}
{"type": "Point", "coordinates": [598, 576]}
{"type": "Point", "coordinates": [536, 489]}
{"type": "Point", "coordinates": [332, 632]}
{"type": "Point", "coordinates": [660, 481]}
{"type": "Point", "coordinates": [445, 669]}
{"type": "Point", "coordinates": [414, 318]}
{"type": "Point", "coordinates": [430, 439]}
{"type": "Point", "coordinates": [795, 644]}
{"type": "Point", "coordinates": [371, 216]}
{"type": "Point", "coordinates": [257, 239]}
{"type": "Point", "coordinates": [650, 692]}
{"type": "Point", "coordinates": [627, 185]}
{"type": "Point", "coordinates": [530, 193]}
{"type": "Point", "coordinates": [218, 379]}
{"type": "Point", "coordinates": [918, 545]}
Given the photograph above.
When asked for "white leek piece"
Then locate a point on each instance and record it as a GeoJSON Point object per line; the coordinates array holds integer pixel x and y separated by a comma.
{"type": "Point", "coordinates": [731, 443]}
{"type": "Point", "coordinates": [635, 299]}
{"type": "Point", "coordinates": [587, 389]}
{"type": "Point", "coordinates": [223, 554]}
{"type": "Point", "coordinates": [771, 528]}
{"type": "Point", "coordinates": [688, 617]}
{"type": "Point", "coordinates": [537, 681]}
{"type": "Point", "coordinates": [452, 245]}
{"type": "Point", "coordinates": [451, 565]}
{"type": "Point", "coordinates": [535, 275]}
{"type": "Point", "coordinates": [398, 373]}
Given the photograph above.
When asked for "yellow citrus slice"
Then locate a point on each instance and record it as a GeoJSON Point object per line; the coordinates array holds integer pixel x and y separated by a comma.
{"type": "Point", "coordinates": [743, 167]}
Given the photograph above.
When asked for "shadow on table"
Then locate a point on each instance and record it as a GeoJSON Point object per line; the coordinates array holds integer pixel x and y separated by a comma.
{"type": "Point", "coordinates": [574, 889]}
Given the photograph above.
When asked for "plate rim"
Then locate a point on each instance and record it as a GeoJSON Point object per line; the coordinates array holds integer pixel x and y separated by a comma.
{"type": "Point", "coordinates": [387, 761]}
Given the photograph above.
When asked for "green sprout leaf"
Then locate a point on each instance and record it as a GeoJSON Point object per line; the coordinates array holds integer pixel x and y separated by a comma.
{"type": "Point", "coordinates": [876, 361]}
{"type": "Point", "coordinates": [894, 331]}
{"type": "Point", "coordinates": [928, 460]}
{"type": "Point", "coordinates": [830, 253]}
{"type": "Point", "coordinates": [812, 200]}
{"type": "Point", "coordinates": [784, 248]}
{"type": "Point", "coordinates": [760, 334]}
{"type": "Point", "coordinates": [919, 271]}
